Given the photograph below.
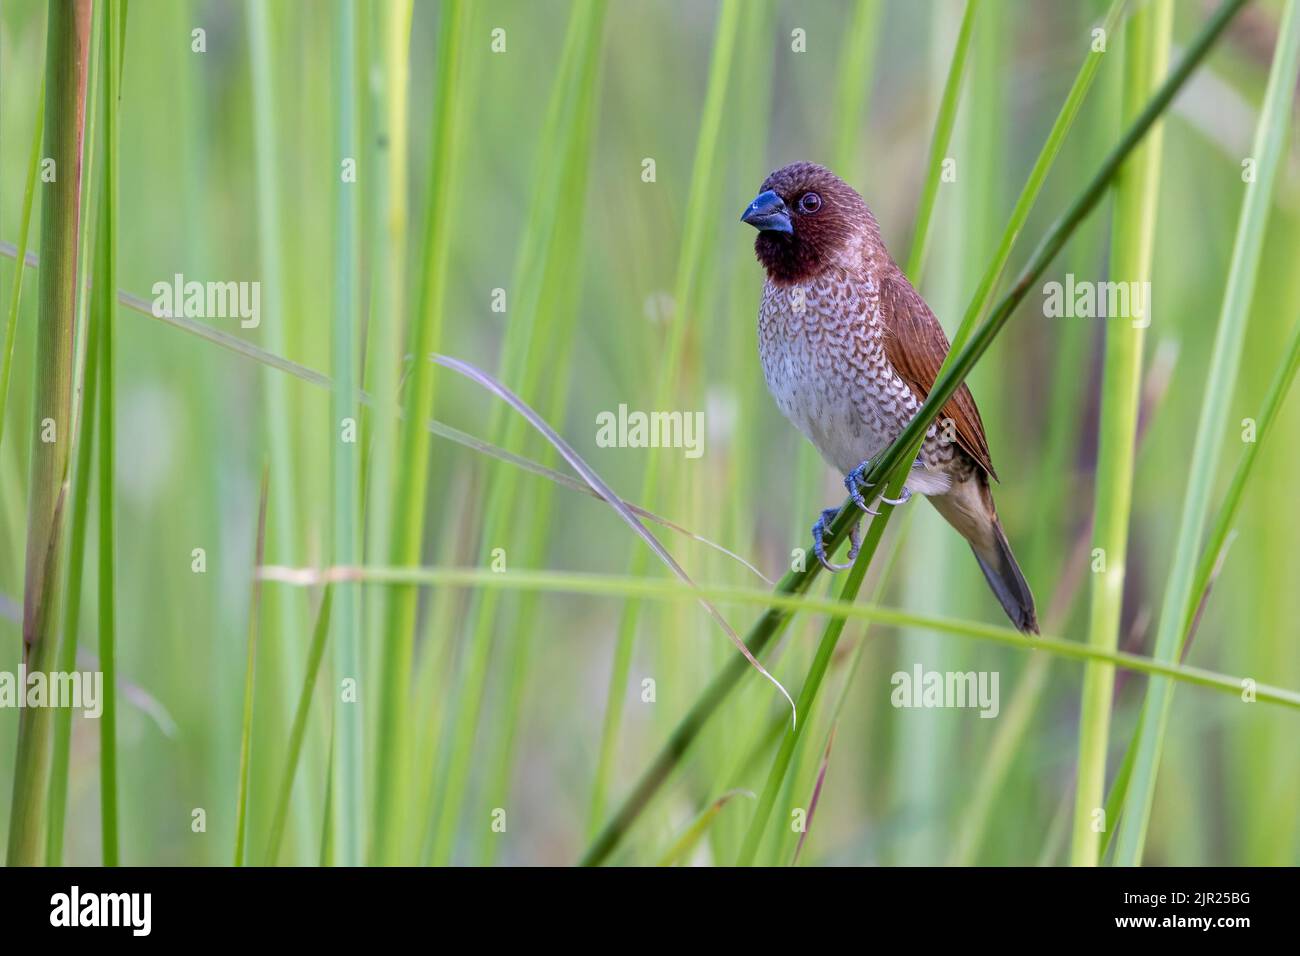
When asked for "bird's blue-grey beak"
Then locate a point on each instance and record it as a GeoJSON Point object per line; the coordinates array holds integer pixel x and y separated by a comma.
{"type": "Point", "coordinates": [767, 213]}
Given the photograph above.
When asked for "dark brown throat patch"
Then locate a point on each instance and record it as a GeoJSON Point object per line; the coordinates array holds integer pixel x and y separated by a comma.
{"type": "Point", "coordinates": [786, 258]}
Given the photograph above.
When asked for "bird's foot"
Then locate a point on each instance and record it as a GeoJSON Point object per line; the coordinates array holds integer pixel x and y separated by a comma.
{"type": "Point", "coordinates": [821, 531]}
{"type": "Point", "coordinates": [855, 482]}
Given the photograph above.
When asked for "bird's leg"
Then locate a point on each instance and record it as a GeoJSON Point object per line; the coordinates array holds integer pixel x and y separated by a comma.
{"type": "Point", "coordinates": [855, 481]}
{"type": "Point", "coordinates": [821, 531]}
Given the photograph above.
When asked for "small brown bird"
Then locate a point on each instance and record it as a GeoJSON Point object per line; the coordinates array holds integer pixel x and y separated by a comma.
{"type": "Point", "coordinates": [850, 351]}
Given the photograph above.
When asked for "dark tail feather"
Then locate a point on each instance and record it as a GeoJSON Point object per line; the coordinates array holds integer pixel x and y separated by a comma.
{"type": "Point", "coordinates": [1004, 577]}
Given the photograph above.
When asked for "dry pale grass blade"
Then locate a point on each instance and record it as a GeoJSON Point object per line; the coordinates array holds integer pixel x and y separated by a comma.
{"type": "Point", "coordinates": [817, 793]}
{"type": "Point", "coordinates": [248, 350]}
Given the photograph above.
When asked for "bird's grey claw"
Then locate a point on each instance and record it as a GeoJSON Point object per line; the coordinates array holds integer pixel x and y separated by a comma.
{"type": "Point", "coordinates": [820, 531]}
{"type": "Point", "coordinates": [907, 496]}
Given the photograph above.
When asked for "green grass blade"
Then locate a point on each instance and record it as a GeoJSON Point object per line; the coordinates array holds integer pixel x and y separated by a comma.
{"type": "Point", "coordinates": [24, 228]}
{"type": "Point", "coordinates": [327, 829]}
{"type": "Point", "coordinates": [274, 246]}
{"type": "Point", "coordinates": [690, 838]}
{"type": "Point", "coordinates": [1180, 599]}
{"type": "Point", "coordinates": [1217, 539]}
{"type": "Point", "coordinates": [1037, 177]}
{"type": "Point", "coordinates": [943, 126]}
{"type": "Point", "coordinates": [85, 464]}
{"type": "Point", "coordinates": [407, 521]}
{"type": "Point", "coordinates": [106, 275]}
{"type": "Point", "coordinates": [318, 638]}
{"type": "Point", "coordinates": [857, 61]}
{"type": "Point", "coordinates": [250, 672]}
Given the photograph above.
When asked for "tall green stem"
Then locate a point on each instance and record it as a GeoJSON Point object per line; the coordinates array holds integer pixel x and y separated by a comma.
{"type": "Point", "coordinates": [1146, 57]}
{"type": "Point", "coordinates": [392, 766]}
{"type": "Point", "coordinates": [67, 52]}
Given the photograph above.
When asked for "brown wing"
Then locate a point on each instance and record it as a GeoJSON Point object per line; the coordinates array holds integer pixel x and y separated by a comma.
{"type": "Point", "coordinates": [916, 346]}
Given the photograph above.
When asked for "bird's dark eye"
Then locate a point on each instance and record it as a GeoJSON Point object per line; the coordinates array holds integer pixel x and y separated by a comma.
{"type": "Point", "coordinates": [809, 203]}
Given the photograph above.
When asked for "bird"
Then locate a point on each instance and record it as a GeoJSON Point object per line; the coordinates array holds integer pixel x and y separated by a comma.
{"type": "Point", "coordinates": [850, 351]}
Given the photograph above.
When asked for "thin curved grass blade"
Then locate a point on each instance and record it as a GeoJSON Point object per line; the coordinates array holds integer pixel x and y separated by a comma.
{"type": "Point", "coordinates": [690, 838]}
{"type": "Point", "coordinates": [598, 485]}
{"type": "Point", "coordinates": [314, 655]}
{"type": "Point", "coordinates": [246, 732]}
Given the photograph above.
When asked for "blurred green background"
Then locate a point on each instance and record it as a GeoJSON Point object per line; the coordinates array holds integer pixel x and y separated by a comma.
{"type": "Point", "coordinates": [595, 328]}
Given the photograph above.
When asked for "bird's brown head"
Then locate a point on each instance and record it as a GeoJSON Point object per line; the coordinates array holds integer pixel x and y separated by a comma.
{"type": "Point", "coordinates": [808, 219]}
